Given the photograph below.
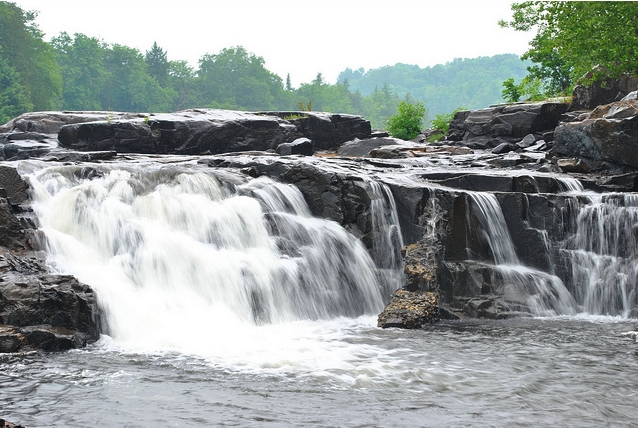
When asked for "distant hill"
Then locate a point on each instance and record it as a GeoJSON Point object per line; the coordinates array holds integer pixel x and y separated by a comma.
{"type": "Point", "coordinates": [471, 83]}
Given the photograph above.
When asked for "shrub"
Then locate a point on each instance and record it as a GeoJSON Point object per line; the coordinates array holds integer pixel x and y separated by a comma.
{"type": "Point", "coordinates": [408, 122]}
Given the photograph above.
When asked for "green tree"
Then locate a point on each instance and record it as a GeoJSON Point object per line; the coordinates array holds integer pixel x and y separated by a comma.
{"type": "Point", "coordinates": [408, 122]}
{"type": "Point", "coordinates": [157, 64]}
{"type": "Point", "coordinates": [577, 38]}
{"type": "Point", "coordinates": [14, 99]}
{"type": "Point", "coordinates": [511, 91]}
{"type": "Point", "coordinates": [128, 86]}
{"type": "Point", "coordinates": [237, 79]}
{"type": "Point", "coordinates": [30, 57]}
{"type": "Point", "coordinates": [83, 72]}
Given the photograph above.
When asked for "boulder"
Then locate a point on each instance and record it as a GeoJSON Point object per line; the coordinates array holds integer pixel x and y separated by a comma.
{"type": "Point", "coordinates": [29, 296]}
{"type": "Point", "coordinates": [408, 309]}
{"type": "Point", "coordinates": [608, 136]}
{"type": "Point", "coordinates": [301, 146]}
{"type": "Point", "coordinates": [602, 92]}
{"type": "Point", "coordinates": [508, 122]}
{"type": "Point", "coordinates": [363, 147]}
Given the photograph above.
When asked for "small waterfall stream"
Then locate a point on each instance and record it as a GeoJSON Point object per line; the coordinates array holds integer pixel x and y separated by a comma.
{"type": "Point", "coordinates": [540, 292]}
{"type": "Point", "coordinates": [601, 254]}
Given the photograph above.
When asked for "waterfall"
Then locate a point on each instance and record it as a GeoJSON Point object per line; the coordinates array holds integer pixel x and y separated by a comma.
{"type": "Point", "coordinates": [170, 249]}
{"type": "Point", "coordinates": [387, 241]}
{"type": "Point", "coordinates": [525, 288]}
{"type": "Point", "coordinates": [602, 252]}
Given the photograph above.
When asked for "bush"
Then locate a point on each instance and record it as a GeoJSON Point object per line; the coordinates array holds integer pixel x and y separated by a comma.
{"type": "Point", "coordinates": [408, 122]}
{"type": "Point", "coordinates": [441, 123]}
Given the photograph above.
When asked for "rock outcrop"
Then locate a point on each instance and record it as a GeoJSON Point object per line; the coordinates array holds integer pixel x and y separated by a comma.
{"type": "Point", "coordinates": [409, 309]}
{"type": "Point", "coordinates": [606, 139]}
{"type": "Point", "coordinates": [38, 309]}
{"type": "Point", "coordinates": [507, 123]}
{"type": "Point", "coordinates": [194, 132]}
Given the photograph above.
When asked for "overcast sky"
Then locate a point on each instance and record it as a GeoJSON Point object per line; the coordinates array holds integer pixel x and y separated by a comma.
{"type": "Point", "coordinates": [300, 37]}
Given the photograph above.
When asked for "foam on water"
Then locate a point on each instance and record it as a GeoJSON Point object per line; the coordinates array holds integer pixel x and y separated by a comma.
{"type": "Point", "coordinates": [186, 261]}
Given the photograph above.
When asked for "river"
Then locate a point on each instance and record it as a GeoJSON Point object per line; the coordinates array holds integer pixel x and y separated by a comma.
{"type": "Point", "coordinates": [570, 372]}
{"type": "Point", "coordinates": [226, 304]}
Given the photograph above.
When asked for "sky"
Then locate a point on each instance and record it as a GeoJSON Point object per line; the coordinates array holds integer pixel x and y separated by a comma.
{"type": "Point", "coordinates": [296, 37]}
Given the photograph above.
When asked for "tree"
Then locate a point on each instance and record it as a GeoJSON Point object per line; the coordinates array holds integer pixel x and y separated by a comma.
{"type": "Point", "coordinates": [14, 98]}
{"type": "Point", "coordinates": [408, 122]}
{"type": "Point", "coordinates": [237, 79]}
{"type": "Point", "coordinates": [157, 64]}
{"type": "Point", "coordinates": [30, 57]}
{"type": "Point", "coordinates": [578, 38]}
{"type": "Point", "coordinates": [81, 61]}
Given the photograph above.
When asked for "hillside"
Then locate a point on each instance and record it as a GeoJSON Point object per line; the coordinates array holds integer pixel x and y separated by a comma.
{"type": "Point", "coordinates": [471, 83]}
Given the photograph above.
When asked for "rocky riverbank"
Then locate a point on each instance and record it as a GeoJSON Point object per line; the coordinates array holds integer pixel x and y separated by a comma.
{"type": "Point", "coordinates": [524, 157]}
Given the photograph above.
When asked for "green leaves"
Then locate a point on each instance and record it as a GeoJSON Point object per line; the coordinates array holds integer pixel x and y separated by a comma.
{"type": "Point", "coordinates": [575, 39]}
{"type": "Point", "coordinates": [408, 122]}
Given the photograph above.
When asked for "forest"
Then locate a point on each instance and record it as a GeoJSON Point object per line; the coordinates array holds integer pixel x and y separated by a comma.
{"type": "Point", "coordinates": [79, 72]}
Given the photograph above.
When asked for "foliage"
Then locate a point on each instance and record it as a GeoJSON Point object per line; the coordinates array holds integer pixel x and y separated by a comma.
{"type": "Point", "coordinates": [574, 39]}
{"type": "Point", "coordinates": [14, 98]}
{"type": "Point", "coordinates": [441, 122]}
{"type": "Point", "coordinates": [511, 91]}
{"type": "Point", "coordinates": [408, 122]}
{"type": "Point", "coordinates": [30, 58]}
{"type": "Point", "coordinates": [79, 72]}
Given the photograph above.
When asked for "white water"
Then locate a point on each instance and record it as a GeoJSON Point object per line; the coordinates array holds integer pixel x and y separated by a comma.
{"type": "Point", "coordinates": [233, 271]}
{"type": "Point", "coordinates": [602, 254]}
{"type": "Point", "coordinates": [542, 293]}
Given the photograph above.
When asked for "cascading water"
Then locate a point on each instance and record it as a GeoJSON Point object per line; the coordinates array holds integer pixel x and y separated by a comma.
{"type": "Point", "coordinates": [539, 292]}
{"type": "Point", "coordinates": [185, 259]}
{"type": "Point", "coordinates": [601, 254]}
{"type": "Point", "coordinates": [387, 240]}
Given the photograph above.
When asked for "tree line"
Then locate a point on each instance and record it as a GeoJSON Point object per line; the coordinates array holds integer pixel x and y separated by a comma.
{"type": "Point", "coordinates": [79, 72]}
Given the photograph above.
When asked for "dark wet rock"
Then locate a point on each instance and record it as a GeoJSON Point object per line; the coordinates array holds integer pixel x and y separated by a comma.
{"type": "Point", "coordinates": [527, 141]}
{"type": "Point", "coordinates": [50, 122]}
{"type": "Point", "coordinates": [301, 146]}
{"type": "Point", "coordinates": [408, 309]}
{"type": "Point", "coordinates": [503, 148]}
{"type": "Point", "coordinates": [7, 424]}
{"type": "Point", "coordinates": [31, 297]}
{"type": "Point", "coordinates": [601, 141]}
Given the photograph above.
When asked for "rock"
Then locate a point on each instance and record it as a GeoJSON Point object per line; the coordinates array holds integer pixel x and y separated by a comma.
{"type": "Point", "coordinates": [363, 147]}
{"type": "Point", "coordinates": [572, 165]}
{"type": "Point", "coordinates": [602, 92]}
{"type": "Point", "coordinates": [7, 424]}
{"type": "Point", "coordinates": [14, 187]}
{"type": "Point", "coordinates": [527, 141]}
{"type": "Point", "coordinates": [602, 139]}
{"type": "Point", "coordinates": [508, 122]}
{"type": "Point", "coordinates": [11, 339]}
{"type": "Point", "coordinates": [408, 309]}
{"type": "Point", "coordinates": [211, 132]}
{"type": "Point", "coordinates": [301, 146]}
{"type": "Point", "coordinates": [503, 148]}
{"type": "Point", "coordinates": [50, 122]}
{"type": "Point", "coordinates": [420, 267]}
